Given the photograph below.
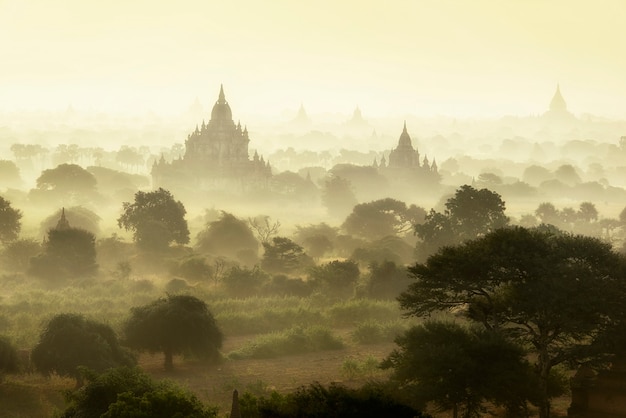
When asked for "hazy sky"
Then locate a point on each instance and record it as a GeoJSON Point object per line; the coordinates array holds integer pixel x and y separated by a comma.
{"type": "Point", "coordinates": [393, 57]}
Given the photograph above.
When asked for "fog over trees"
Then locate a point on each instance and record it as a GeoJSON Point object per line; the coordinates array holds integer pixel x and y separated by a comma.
{"type": "Point", "coordinates": [355, 263]}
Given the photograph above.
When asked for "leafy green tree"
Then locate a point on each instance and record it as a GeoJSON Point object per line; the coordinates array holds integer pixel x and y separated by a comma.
{"type": "Point", "coordinates": [70, 341]}
{"type": "Point", "coordinates": [156, 220]}
{"type": "Point", "coordinates": [230, 237]}
{"type": "Point", "coordinates": [317, 240]}
{"type": "Point", "coordinates": [9, 362]}
{"type": "Point", "coordinates": [469, 214]}
{"type": "Point", "coordinates": [445, 363]}
{"type": "Point", "coordinates": [68, 252]}
{"type": "Point", "coordinates": [178, 324]}
{"type": "Point", "coordinates": [129, 392]}
{"type": "Point", "coordinates": [10, 224]}
{"type": "Point", "coordinates": [555, 293]}
{"type": "Point", "coordinates": [383, 217]}
{"type": "Point", "coordinates": [284, 256]}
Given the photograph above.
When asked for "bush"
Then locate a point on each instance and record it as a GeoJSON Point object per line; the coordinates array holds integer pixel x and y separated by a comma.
{"type": "Point", "coordinates": [297, 340]}
{"type": "Point", "coordinates": [129, 392]}
{"type": "Point", "coordinates": [70, 341]}
{"type": "Point", "coordinates": [351, 312]}
{"type": "Point", "coordinates": [244, 282]}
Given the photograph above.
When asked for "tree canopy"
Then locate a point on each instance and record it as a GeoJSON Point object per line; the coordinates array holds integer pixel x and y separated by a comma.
{"type": "Point", "coordinates": [284, 256]}
{"type": "Point", "coordinates": [555, 293]}
{"type": "Point", "coordinates": [156, 220]}
{"type": "Point", "coordinates": [10, 224]}
{"type": "Point", "coordinates": [470, 213]}
{"type": "Point", "coordinates": [383, 217]}
{"type": "Point", "coordinates": [70, 341]}
{"type": "Point", "coordinates": [230, 237]}
{"type": "Point", "coordinates": [178, 324]}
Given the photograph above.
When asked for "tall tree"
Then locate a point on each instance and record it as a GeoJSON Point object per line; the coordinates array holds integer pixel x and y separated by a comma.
{"type": "Point", "coordinates": [555, 293]}
{"type": "Point", "coordinates": [68, 252]}
{"type": "Point", "coordinates": [174, 325]}
{"type": "Point", "coordinates": [69, 182]}
{"type": "Point", "coordinates": [10, 224]}
{"type": "Point", "coordinates": [156, 220]}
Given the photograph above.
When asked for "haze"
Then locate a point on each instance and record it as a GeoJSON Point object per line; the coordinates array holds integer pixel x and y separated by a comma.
{"type": "Point", "coordinates": [453, 58]}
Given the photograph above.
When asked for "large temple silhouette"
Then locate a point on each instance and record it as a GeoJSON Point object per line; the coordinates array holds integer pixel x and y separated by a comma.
{"type": "Point", "coordinates": [404, 162]}
{"type": "Point", "coordinates": [216, 155]}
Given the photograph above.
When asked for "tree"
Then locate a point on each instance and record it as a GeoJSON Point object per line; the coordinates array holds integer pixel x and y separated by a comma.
{"type": "Point", "coordinates": [382, 217]}
{"type": "Point", "coordinates": [444, 363]}
{"type": "Point", "coordinates": [9, 362]}
{"type": "Point", "coordinates": [339, 277]}
{"type": "Point", "coordinates": [386, 280]}
{"type": "Point", "coordinates": [129, 392]}
{"type": "Point", "coordinates": [69, 182]}
{"type": "Point", "coordinates": [17, 254]}
{"type": "Point", "coordinates": [178, 324]}
{"type": "Point", "coordinates": [264, 227]}
{"type": "Point", "coordinates": [337, 196]}
{"type": "Point", "coordinates": [156, 220]}
{"type": "Point", "coordinates": [70, 341]}
{"type": "Point", "coordinates": [10, 174]}
{"type": "Point", "coordinates": [284, 256]}
{"type": "Point", "coordinates": [242, 282]}
{"type": "Point", "coordinates": [68, 252]}
{"type": "Point", "coordinates": [10, 224]}
{"type": "Point", "coordinates": [470, 213]}
{"type": "Point", "coordinates": [230, 237]}
{"type": "Point", "coordinates": [555, 293]}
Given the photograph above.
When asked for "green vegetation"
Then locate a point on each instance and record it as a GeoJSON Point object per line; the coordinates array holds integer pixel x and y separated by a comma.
{"type": "Point", "coordinates": [294, 341]}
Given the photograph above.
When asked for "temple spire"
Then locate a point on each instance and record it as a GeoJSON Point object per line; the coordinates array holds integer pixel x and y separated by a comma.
{"type": "Point", "coordinates": [222, 97]}
{"type": "Point", "coordinates": [558, 103]}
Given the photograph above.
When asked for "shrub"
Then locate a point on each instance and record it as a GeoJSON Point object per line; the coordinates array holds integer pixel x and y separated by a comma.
{"type": "Point", "coordinates": [296, 340]}
{"type": "Point", "coordinates": [371, 332]}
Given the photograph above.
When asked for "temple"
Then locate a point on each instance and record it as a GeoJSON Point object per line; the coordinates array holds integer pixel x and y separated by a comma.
{"type": "Point", "coordinates": [215, 153]}
{"type": "Point", "coordinates": [404, 161]}
{"type": "Point", "coordinates": [557, 112]}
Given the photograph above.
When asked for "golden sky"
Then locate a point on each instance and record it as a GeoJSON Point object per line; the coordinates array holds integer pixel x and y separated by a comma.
{"type": "Point", "coordinates": [393, 57]}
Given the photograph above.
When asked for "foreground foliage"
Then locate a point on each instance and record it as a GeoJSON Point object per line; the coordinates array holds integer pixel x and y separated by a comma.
{"type": "Point", "coordinates": [129, 392]}
{"type": "Point", "coordinates": [557, 294]}
{"type": "Point", "coordinates": [333, 401]}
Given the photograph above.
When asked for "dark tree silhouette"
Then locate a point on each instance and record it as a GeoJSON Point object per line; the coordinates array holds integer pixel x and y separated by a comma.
{"type": "Point", "coordinates": [338, 196]}
{"type": "Point", "coordinates": [68, 252]}
{"type": "Point", "coordinates": [178, 324]}
{"type": "Point", "coordinates": [338, 277]}
{"type": "Point", "coordinates": [156, 220]}
{"type": "Point", "coordinates": [70, 341]}
{"type": "Point", "coordinates": [445, 363]}
{"type": "Point", "coordinates": [9, 362]}
{"type": "Point", "coordinates": [552, 292]}
{"type": "Point", "coordinates": [10, 224]}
